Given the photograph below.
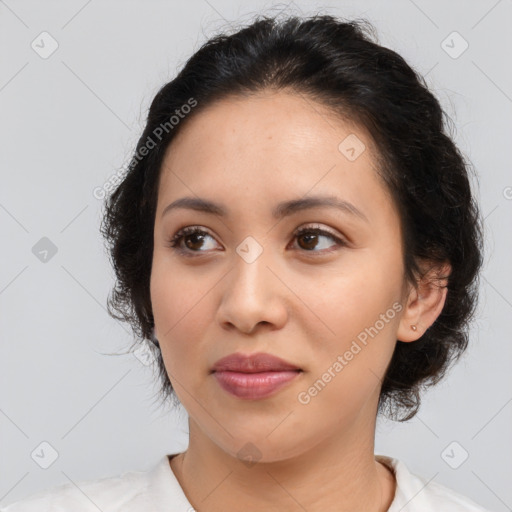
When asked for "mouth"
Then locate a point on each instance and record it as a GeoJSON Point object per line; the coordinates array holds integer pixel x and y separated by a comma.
{"type": "Point", "coordinates": [255, 376]}
{"type": "Point", "coordinates": [253, 363]}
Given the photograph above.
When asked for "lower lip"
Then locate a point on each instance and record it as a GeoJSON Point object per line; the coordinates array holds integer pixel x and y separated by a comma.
{"type": "Point", "coordinates": [253, 386]}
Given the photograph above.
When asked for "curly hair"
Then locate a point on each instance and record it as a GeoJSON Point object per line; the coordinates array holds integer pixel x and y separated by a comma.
{"type": "Point", "coordinates": [338, 64]}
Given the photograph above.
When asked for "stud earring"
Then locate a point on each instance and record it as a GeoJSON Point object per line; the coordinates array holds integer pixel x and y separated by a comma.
{"type": "Point", "coordinates": [413, 327]}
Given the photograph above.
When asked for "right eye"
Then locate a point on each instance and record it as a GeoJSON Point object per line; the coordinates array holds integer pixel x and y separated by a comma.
{"type": "Point", "coordinates": [192, 236]}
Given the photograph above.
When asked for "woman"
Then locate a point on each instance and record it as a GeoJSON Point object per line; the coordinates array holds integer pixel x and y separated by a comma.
{"type": "Point", "coordinates": [297, 235]}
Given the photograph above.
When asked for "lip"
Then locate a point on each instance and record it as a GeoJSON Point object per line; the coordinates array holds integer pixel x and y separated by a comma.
{"type": "Point", "coordinates": [253, 376]}
{"type": "Point", "coordinates": [252, 363]}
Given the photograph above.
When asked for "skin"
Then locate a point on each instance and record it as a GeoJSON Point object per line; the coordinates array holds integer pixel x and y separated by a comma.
{"type": "Point", "coordinates": [305, 302]}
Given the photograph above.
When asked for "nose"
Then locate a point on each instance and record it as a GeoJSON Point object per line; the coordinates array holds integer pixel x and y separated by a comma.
{"type": "Point", "coordinates": [253, 294]}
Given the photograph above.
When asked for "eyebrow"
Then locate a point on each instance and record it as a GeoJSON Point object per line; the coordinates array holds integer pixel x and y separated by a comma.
{"type": "Point", "coordinates": [282, 210]}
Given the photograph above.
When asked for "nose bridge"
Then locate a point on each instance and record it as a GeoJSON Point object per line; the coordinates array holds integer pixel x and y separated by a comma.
{"type": "Point", "coordinates": [251, 293]}
{"type": "Point", "coordinates": [250, 273]}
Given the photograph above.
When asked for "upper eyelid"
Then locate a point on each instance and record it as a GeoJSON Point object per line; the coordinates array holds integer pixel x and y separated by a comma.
{"type": "Point", "coordinates": [312, 226]}
{"type": "Point", "coordinates": [316, 226]}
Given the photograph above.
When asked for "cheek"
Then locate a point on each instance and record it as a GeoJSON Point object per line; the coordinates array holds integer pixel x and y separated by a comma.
{"type": "Point", "coordinates": [350, 366]}
{"type": "Point", "coordinates": [176, 296]}
{"type": "Point", "coordinates": [356, 297]}
{"type": "Point", "coordinates": [182, 315]}
{"type": "Point", "coordinates": [359, 312]}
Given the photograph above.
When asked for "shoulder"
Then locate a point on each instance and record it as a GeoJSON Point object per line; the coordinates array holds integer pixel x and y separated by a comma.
{"type": "Point", "coordinates": [437, 495]}
{"type": "Point", "coordinates": [109, 493]}
{"type": "Point", "coordinates": [417, 494]}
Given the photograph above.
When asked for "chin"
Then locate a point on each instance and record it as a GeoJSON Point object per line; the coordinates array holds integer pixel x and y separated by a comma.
{"type": "Point", "coordinates": [253, 449]}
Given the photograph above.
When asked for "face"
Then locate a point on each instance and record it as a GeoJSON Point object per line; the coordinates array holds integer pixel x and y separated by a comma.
{"type": "Point", "coordinates": [326, 300]}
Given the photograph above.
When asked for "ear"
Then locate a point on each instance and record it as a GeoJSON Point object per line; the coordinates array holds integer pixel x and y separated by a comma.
{"type": "Point", "coordinates": [424, 302]}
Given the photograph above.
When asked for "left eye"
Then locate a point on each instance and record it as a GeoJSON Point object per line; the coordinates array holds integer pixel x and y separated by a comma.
{"type": "Point", "coordinates": [312, 235]}
{"type": "Point", "coordinates": [194, 237]}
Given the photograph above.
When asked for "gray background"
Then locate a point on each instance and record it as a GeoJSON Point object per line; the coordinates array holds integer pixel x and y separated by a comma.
{"type": "Point", "coordinates": [69, 121]}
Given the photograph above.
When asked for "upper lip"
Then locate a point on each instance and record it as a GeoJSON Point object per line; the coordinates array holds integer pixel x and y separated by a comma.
{"type": "Point", "coordinates": [252, 363]}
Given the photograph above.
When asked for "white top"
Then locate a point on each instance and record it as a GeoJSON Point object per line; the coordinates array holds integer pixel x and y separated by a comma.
{"type": "Point", "coordinates": [158, 490]}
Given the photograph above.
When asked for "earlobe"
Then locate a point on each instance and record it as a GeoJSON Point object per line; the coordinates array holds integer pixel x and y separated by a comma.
{"type": "Point", "coordinates": [424, 304]}
{"type": "Point", "coordinates": [408, 328]}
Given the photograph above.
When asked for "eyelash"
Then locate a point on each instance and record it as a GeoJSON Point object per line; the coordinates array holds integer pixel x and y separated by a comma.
{"type": "Point", "coordinates": [174, 242]}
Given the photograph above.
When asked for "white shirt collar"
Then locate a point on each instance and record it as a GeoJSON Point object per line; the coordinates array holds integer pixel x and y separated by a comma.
{"type": "Point", "coordinates": [158, 490]}
{"type": "Point", "coordinates": [413, 494]}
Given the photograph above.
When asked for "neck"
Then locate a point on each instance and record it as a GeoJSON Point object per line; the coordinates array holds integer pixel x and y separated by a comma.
{"type": "Point", "coordinates": [339, 473]}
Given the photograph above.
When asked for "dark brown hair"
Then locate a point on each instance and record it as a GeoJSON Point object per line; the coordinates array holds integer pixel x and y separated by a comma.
{"type": "Point", "coordinates": [338, 64]}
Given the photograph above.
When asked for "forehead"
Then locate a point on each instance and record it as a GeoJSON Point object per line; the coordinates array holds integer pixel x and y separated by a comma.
{"type": "Point", "coordinates": [283, 123]}
{"type": "Point", "coordinates": [270, 146]}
